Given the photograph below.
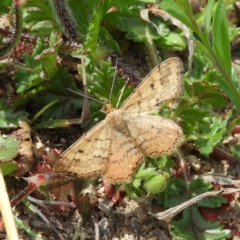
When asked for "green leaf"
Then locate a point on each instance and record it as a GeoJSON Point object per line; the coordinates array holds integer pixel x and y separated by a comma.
{"type": "Point", "coordinates": [194, 114]}
{"type": "Point", "coordinates": [173, 9]}
{"type": "Point", "coordinates": [236, 151]}
{"type": "Point", "coordinates": [214, 98]}
{"type": "Point", "coordinates": [9, 148]}
{"type": "Point", "coordinates": [30, 76]}
{"type": "Point", "coordinates": [173, 40]}
{"type": "Point", "coordinates": [136, 183]}
{"type": "Point", "coordinates": [221, 40]}
{"type": "Point", "coordinates": [39, 18]}
{"type": "Point", "coordinates": [186, 7]}
{"type": "Point", "coordinates": [211, 135]}
{"type": "Point", "coordinates": [205, 50]}
{"type": "Point", "coordinates": [56, 106]}
{"type": "Point", "coordinates": [177, 187]}
{"type": "Point", "coordinates": [135, 28]}
{"type": "Point", "coordinates": [230, 91]}
{"type": "Point", "coordinates": [99, 83]}
{"type": "Point", "coordinates": [232, 123]}
{"type": "Point", "coordinates": [83, 17]}
{"type": "Point", "coordinates": [10, 118]}
{"type": "Point", "coordinates": [8, 167]}
{"type": "Point", "coordinates": [107, 40]}
{"type": "Point", "coordinates": [49, 56]}
{"type": "Point", "coordinates": [34, 14]}
{"type": "Point", "coordinates": [208, 18]}
{"type": "Point", "coordinates": [144, 173]}
{"type": "Point", "coordinates": [198, 186]}
{"type": "Point", "coordinates": [91, 41]}
{"type": "Point", "coordinates": [165, 163]}
{"type": "Point", "coordinates": [193, 224]}
{"type": "Point", "coordinates": [52, 124]}
{"type": "Point", "coordinates": [4, 6]}
{"type": "Point", "coordinates": [123, 7]}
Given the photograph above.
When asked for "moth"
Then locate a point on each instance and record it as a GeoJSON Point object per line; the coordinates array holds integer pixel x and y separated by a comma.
{"type": "Point", "coordinates": [116, 146]}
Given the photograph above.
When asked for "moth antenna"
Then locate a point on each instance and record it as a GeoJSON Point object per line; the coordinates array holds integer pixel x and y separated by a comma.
{"type": "Point", "coordinates": [81, 94]}
{"type": "Point", "coordinates": [114, 78]}
{"type": "Point", "coordinates": [121, 93]}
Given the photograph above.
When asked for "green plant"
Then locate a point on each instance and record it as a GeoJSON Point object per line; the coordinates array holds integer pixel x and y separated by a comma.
{"type": "Point", "coordinates": [49, 38]}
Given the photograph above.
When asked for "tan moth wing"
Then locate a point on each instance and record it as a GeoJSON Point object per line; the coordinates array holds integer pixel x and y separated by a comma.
{"type": "Point", "coordinates": [163, 84]}
{"type": "Point", "coordinates": [123, 159]}
{"type": "Point", "coordinates": [153, 135]}
{"type": "Point", "coordinates": [87, 156]}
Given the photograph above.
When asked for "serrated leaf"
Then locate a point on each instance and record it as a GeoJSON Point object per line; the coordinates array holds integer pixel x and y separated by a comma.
{"type": "Point", "coordinates": [10, 118]}
{"type": "Point", "coordinates": [100, 83]}
{"type": "Point", "coordinates": [193, 224]}
{"type": "Point", "coordinates": [9, 148]}
{"type": "Point", "coordinates": [177, 187]}
{"type": "Point", "coordinates": [214, 98]}
{"type": "Point", "coordinates": [91, 41]}
{"type": "Point", "coordinates": [191, 114]}
{"type": "Point", "coordinates": [136, 183]}
{"type": "Point", "coordinates": [39, 18]}
{"type": "Point", "coordinates": [165, 163]}
{"type": "Point", "coordinates": [59, 108]}
{"type": "Point", "coordinates": [211, 135]}
{"type": "Point", "coordinates": [198, 186]}
{"type": "Point", "coordinates": [30, 76]}
{"type": "Point", "coordinates": [48, 56]}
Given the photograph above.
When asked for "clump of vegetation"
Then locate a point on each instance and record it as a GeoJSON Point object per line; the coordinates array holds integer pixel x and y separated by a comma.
{"type": "Point", "coordinates": [49, 47]}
